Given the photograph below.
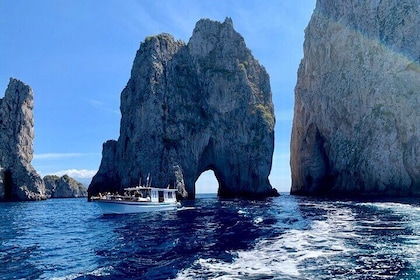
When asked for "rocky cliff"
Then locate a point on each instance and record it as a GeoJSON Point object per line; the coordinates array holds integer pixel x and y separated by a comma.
{"type": "Point", "coordinates": [63, 187]}
{"type": "Point", "coordinates": [18, 179]}
{"type": "Point", "coordinates": [188, 108]}
{"type": "Point", "coordinates": [356, 127]}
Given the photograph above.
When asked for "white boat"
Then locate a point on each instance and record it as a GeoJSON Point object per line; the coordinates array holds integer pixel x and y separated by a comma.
{"type": "Point", "coordinates": [138, 199]}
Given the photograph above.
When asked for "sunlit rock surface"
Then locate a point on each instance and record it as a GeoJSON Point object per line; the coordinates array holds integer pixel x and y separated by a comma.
{"type": "Point", "coordinates": [188, 108]}
{"type": "Point", "coordinates": [356, 127]}
{"type": "Point", "coordinates": [63, 187]}
{"type": "Point", "coordinates": [18, 179]}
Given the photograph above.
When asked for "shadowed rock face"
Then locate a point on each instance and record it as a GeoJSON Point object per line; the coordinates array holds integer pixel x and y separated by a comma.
{"type": "Point", "coordinates": [356, 127]}
{"type": "Point", "coordinates": [188, 108]}
{"type": "Point", "coordinates": [18, 179]}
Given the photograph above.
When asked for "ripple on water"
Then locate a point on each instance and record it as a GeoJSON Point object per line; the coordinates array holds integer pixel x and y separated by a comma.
{"type": "Point", "coordinates": [327, 240]}
{"type": "Point", "coordinates": [282, 238]}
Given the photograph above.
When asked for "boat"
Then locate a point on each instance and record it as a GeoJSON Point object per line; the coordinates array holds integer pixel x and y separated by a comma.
{"type": "Point", "coordinates": [137, 200]}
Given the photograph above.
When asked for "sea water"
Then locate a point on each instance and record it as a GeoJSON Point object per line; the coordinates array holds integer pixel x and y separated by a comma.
{"type": "Point", "coordinates": [287, 237]}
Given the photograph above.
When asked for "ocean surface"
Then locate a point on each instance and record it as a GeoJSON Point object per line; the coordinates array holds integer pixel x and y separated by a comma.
{"type": "Point", "coordinates": [287, 237]}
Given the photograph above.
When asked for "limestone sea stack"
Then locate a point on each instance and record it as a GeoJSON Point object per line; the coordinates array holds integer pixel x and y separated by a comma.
{"type": "Point", "coordinates": [63, 187]}
{"type": "Point", "coordinates": [356, 127]}
{"type": "Point", "coordinates": [188, 108]}
{"type": "Point", "coordinates": [18, 179]}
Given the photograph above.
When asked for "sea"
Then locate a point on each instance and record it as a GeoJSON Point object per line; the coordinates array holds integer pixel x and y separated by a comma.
{"type": "Point", "coordinates": [287, 237]}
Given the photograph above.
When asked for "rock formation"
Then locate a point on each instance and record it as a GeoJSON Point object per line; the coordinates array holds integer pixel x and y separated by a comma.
{"type": "Point", "coordinates": [63, 187]}
{"type": "Point", "coordinates": [18, 179]}
{"type": "Point", "coordinates": [356, 127]}
{"type": "Point", "coordinates": [188, 108]}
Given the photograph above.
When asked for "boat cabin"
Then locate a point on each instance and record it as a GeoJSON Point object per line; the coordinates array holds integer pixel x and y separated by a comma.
{"type": "Point", "coordinates": [150, 194]}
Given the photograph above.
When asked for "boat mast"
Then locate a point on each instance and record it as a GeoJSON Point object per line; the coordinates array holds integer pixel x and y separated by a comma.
{"type": "Point", "coordinates": [148, 180]}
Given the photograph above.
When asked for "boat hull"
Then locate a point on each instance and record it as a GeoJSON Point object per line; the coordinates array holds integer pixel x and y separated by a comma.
{"type": "Point", "coordinates": [125, 207]}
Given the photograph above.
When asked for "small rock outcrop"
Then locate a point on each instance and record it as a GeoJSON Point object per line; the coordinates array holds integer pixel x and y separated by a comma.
{"type": "Point", "coordinates": [63, 187]}
{"type": "Point", "coordinates": [188, 108]}
{"type": "Point", "coordinates": [18, 179]}
{"type": "Point", "coordinates": [356, 127]}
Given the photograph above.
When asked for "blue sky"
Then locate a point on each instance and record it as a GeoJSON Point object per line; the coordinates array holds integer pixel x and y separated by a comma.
{"type": "Point", "coordinates": [77, 57]}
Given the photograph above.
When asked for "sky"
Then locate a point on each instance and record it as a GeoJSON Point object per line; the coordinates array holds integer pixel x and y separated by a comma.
{"type": "Point", "coordinates": [77, 57]}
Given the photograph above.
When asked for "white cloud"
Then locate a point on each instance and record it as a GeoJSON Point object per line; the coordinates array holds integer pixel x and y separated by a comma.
{"type": "Point", "coordinates": [57, 155]}
{"type": "Point", "coordinates": [77, 173]}
{"type": "Point", "coordinates": [83, 176]}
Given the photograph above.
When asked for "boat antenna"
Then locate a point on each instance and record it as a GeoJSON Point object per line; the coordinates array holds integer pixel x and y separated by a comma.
{"type": "Point", "coordinates": [148, 180]}
{"type": "Point", "coordinates": [140, 182]}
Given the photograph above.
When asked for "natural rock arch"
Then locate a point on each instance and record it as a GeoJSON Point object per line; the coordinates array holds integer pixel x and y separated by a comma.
{"type": "Point", "coordinates": [201, 174]}
{"type": "Point", "coordinates": [207, 181]}
{"type": "Point", "coordinates": [192, 107]}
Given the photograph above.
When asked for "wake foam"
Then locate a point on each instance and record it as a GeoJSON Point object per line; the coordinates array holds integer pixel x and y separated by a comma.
{"type": "Point", "coordinates": [409, 245]}
{"type": "Point", "coordinates": [284, 255]}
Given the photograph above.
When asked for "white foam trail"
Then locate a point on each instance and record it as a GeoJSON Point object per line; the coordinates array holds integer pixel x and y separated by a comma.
{"type": "Point", "coordinates": [410, 220]}
{"type": "Point", "coordinates": [281, 256]}
{"type": "Point", "coordinates": [183, 208]}
{"type": "Point", "coordinates": [258, 220]}
{"type": "Point", "coordinates": [241, 212]}
{"type": "Point", "coordinates": [102, 271]}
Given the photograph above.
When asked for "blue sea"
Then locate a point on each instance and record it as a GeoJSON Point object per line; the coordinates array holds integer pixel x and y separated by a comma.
{"type": "Point", "coordinates": [287, 237]}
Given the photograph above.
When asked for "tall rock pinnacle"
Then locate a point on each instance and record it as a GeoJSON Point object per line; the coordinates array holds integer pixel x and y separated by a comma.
{"type": "Point", "coordinates": [356, 127]}
{"type": "Point", "coordinates": [18, 179]}
{"type": "Point", "coordinates": [188, 108]}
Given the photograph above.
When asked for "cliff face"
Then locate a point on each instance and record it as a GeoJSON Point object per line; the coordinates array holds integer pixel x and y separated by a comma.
{"type": "Point", "coordinates": [18, 179]}
{"type": "Point", "coordinates": [188, 108]}
{"type": "Point", "coordinates": [356, 127]}
{"type": "Point", "coordinates": [63, 187]}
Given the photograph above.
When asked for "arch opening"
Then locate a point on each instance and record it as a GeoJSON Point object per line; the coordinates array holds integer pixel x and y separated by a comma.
{"type": "Point", "coordinates": [207, 183]}
{"type": "Point", "coordinates": [8, 185]}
